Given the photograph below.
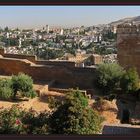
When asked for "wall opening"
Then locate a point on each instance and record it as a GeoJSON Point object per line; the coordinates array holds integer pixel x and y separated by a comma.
{"type": "Point", "coordinates": [125, 116]}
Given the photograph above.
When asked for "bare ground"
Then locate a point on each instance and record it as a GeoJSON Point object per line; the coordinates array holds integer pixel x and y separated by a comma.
{"type": "Point", "coordinates": [40, 104]}
{"type": "Point", "coordinates": [109, 110]}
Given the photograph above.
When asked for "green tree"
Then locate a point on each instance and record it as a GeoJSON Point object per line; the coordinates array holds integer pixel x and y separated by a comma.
{"type": "Point", "coordinates": [24, 84]}
{"type": "Point", "coordinates": [12, 42]}
{"type": "Point", "coordinates": [108, 77]}
{"type": "Point", "coordinates": [130, 81]}
{"type": "Point", "coordinates": [74, 116]}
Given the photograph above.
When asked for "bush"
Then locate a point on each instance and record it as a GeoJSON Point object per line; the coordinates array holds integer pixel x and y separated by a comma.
{"type": "Point", "coordinates": [108, 77]}
{"type": "Point", "coordinates": [53, 103]}
{"type": "Point", "coordinates": [24, 84]}
{"type": "Point", "coordinates": [10, 122]}
{"type": "Point", "coordinates": [31, 94]}
{"type": "Point", "coordinates": [78, 97]}
{"type": "Point", "coordinates": [36, 123]}
{"type": "Point", "coordinates": [18, 121]}
{"type": "Point", "coordinates": [6, 91]}
{"type": "Point", "coordinates": [74, 116]}
{"type": "Point", "coordinates": [130, 81]}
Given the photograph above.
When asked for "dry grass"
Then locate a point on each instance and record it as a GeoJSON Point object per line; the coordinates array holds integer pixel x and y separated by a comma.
{"type": "Point", "coordinates": [108, 110]}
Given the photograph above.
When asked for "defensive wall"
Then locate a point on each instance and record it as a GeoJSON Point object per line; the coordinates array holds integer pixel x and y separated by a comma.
{"type": "Point", "coordinates": [128, 45]}
{"type": "Point", "coordinates": [33, 59]}
{"type": "Point", "coordinates": [61, 71]}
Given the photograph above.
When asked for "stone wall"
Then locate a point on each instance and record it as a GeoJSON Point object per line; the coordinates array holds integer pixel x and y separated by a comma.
{"type": "Point", "coordinates": [96, 59]}
{"type": "Point", "coordinates": [31, 58]}
{"type": "Point", "coordinates": [12, 66]}
{"type": "Point", "coordinates": [128, 44]}
{"type": "Point", "coordinates": [72, 76]}
{"type": "Point", "coordinates": [56, 63]}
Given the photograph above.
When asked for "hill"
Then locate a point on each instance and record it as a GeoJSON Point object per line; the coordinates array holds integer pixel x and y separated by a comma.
{"type": "Point", "coordinates": [135, 20]}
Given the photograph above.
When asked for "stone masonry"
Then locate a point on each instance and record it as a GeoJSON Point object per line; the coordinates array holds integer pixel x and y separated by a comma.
{"type": "Point", "coordinates": [128, 45]}
{"type": "Point", "coordinates": [63, 72]}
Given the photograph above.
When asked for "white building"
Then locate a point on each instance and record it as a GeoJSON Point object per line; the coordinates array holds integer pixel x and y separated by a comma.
{"type": "Point", "coordinates": [7, 35]}
{"type": "Point", "coordinates": [61, 32]}
{"type": "Point", "coordinates": [20, 41]}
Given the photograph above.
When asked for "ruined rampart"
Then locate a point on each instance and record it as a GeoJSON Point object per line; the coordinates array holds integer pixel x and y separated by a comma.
{"type": "Point", "coordinates": [31, 58]}
{"type": "Point", "coordinates": [61, 72]}
{"type": "Point", "coordinates": [56, 63]}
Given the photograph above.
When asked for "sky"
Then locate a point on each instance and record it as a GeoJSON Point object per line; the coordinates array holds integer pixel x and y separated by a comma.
{"type": "Point", "coordinates": [63, 16]}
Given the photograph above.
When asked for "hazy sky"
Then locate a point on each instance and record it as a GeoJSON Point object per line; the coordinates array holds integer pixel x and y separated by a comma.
{"type": "Point", "coordinates": [65, 16]}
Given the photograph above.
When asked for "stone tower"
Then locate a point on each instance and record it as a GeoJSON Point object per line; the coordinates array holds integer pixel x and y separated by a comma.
{"type": "Point", "coordinates": [128, 45]}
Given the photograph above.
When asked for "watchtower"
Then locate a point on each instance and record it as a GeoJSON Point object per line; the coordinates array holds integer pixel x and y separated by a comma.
{"type": "Point", "coordinates": [128, 45]}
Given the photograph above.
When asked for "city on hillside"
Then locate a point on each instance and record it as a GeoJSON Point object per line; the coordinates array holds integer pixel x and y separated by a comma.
{"type": "Point", "coordinates": [63, 72]}
{"type": "Point", "coordinates": [62, 44]}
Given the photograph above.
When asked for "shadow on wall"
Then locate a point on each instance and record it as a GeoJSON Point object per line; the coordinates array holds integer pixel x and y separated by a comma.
{"type": "Point", "coordinates": [125, 110]}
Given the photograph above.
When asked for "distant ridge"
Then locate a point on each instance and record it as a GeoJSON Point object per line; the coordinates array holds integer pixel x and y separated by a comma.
{"type": "Point", "coordinates": [135, 20]}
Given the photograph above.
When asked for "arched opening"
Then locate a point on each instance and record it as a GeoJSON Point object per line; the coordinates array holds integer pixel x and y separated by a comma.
{"type": "Point", "coordinates": [125, 116]}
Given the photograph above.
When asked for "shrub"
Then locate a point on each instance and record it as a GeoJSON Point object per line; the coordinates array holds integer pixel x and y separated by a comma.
{"type": "Point", "coordinates": [53, 103]}
{"type": "Point", "coordinates": [24, 84]}
{"type": "Point", "coordinates": [31, 94]}
{"type": "Point", "coordinates": [10, 121]}
{"type": "Point", "coordinates": [6, 93]}
{"type": "Point", "coordinates": [19, 121]}
{"type": "Point", "coordinates": [74, 116]}
{"type": "Point", "coordinates": [5, 89]}
{"type": "Point", "coordinates": [37, 123]}
{"type": "Point", "coordinates": [130, 81]}
{"type": "Point", "coordinates": [108, 77]}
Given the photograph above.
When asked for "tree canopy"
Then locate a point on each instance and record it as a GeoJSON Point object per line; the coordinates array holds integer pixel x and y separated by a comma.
{"type": "Point", "coordinates": [130, 81]}
{"type": "Point", "coordinates": [24, 84]}
{"type": "Point", "coordinates": [108, 77]}
{"type": "Point", "coordinates": [74, 116]}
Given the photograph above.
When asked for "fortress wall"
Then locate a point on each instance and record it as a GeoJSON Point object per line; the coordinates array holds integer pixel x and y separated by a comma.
{"type": "Point", "coordinates": [9, 67]}
{"type": "Point", "coordinates": [56, 63]}
{"type": "Point", "coordinates": [128, 44]}
{"type": "Point", "coordinates": [31, 58]}
{"type": "Point", "coordinates": [74, 77]}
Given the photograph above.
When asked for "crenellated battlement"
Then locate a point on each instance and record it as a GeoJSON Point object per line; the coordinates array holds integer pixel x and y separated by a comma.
{"type": "Point", "coordinates": [128, 29]}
